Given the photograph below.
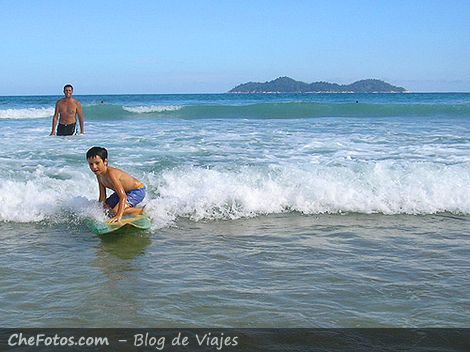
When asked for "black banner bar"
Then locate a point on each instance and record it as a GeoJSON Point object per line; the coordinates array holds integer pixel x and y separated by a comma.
{"type": "Point", "coordinates": [234, 340]}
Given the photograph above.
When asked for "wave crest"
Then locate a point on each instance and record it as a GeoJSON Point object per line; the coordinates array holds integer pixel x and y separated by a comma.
{"type": "Point", "coordinates": [386, 188]}
{"type": "Point", "coordinates": [208, 194]}
{"type": "Point", "coordinates": [151, 108]}
{"type": "Point", "coordinates": [26, 113]}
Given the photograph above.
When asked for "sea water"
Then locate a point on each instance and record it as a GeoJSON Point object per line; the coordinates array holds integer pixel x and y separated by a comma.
{"type": "Point", "coordinates": [276, 210]}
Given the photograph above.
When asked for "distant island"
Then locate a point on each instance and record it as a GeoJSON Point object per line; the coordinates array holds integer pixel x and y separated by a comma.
{"type": "Point", "coordinates": [289, 85]}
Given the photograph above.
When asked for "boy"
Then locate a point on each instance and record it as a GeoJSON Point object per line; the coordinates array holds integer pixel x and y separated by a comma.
{"type": "Point", "coordinates": [128, 191]}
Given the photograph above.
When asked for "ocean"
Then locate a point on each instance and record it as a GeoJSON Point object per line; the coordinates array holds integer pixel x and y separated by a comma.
{"type": "Point", "coordinates": [268, 210]}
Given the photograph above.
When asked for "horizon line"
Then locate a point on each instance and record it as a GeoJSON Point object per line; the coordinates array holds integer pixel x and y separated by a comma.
{"type": "Point", "coordinates": [238, 93]}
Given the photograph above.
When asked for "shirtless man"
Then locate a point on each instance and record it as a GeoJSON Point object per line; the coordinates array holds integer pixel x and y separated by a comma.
{"type": "Point", "coordinates": [67, 108]}
{"type": "Point", "coordinates": [128, 191]}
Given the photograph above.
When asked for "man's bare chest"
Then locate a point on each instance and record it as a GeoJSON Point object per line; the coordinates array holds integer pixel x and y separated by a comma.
{"type": "Point", "coordinates": [67, 108]}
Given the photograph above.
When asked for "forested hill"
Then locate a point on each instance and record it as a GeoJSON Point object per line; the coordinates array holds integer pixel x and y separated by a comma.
{"type": "Point", "coordinates": [289, 85]}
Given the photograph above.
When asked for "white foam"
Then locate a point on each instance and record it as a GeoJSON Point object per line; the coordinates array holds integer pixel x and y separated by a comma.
{"type": "Point", "coordinates": [45, 197]}
{"type": "Point", "coordinates": [26, 113]}
{"type": "Point", "coordinates": [151, 108]}
{"type": "Point", "coordinates": [385, 187]}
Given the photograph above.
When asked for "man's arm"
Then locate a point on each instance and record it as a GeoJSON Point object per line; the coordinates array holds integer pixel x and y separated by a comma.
{"type": "Point", "coordinates": [81, 117]}
{"type": "Point", "coordinates": [55, 118]}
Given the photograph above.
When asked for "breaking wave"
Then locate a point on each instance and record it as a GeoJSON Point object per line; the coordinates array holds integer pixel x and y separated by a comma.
{"type": "Point", "coordinates": [252, 111]}
{"type": "Point", "coordinates": [26, 113]}
{"type": "Point", "coordinates": [210, 194]}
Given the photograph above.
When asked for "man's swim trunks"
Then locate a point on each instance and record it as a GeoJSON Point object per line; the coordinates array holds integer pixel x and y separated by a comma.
{"type": "Point", "coordinates": [134, 197]}
{"type": "Point", "coordinates": [66, 130]}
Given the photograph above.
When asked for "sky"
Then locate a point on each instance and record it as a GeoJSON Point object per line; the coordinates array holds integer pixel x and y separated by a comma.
{"type": "Point", "coordinates": [202, 46]}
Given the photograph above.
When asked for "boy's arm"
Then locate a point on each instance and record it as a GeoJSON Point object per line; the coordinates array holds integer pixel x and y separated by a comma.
{"type": "Point", "coordinates": [102, 197]}
{"type": "Point", "coordinates": [119, 189]}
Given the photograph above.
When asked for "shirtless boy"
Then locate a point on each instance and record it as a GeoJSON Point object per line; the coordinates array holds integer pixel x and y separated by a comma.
{"type": "Point", "coordinates": [67, 109]}
{"type": "Point", "coordinates": [128, 191]}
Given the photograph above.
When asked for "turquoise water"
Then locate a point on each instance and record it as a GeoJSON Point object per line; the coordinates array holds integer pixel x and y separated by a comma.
{"type": "Point", "coordinates": [316, 210]}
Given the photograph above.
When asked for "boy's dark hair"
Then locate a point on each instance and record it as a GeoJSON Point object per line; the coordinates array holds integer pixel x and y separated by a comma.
{"type": "Point", "coordinates": [68, 86]}
{"type": "Point", "coordinates": [97, 151]}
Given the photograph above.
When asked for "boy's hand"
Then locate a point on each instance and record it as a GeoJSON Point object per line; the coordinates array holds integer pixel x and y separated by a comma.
{"type": "Point", "coordinates": [115, 219]}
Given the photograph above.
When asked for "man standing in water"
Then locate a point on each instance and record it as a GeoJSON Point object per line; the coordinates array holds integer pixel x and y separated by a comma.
{"type": "Point", "coordinates": [67, 108]}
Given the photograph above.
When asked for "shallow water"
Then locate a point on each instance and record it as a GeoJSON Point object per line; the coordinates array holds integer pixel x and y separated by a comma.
{"type": "Point", "coordinates": [267, 211]}
{"type": "Point", "coordinates": [272, 271]}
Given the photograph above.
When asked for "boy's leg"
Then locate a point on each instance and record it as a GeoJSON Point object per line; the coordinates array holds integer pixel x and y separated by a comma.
{"type": "Point", "coordinates": [133, 211]}
{"type": "Point", "coordinates": [111, 203]}
{"type": "Point", "coordinates": [133, 198]}
{"type": "Point", "coordinates": [129, 210]}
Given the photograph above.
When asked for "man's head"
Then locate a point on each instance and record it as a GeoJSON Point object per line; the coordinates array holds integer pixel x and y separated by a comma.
{"type": "Point", "coordinates": [68, 90]}
{"type": "Point", "coordinates": [97, 158]}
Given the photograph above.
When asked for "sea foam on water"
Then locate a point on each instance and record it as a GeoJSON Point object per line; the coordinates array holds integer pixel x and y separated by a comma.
{"type": "Point", "coordinates": [208, 194]}
{"type": "Point", "coordinates": [386, 187]}
{"type": "Point", "coordinates": [151, 108]}
{"type": "Point", "coordinates": [26, 113]}
{"type": "Point", "coordinates": [229, 157]}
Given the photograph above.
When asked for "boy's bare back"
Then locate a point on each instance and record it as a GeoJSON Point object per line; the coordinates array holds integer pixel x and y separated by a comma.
{"type": "Point", "coordinates": [128, 182]}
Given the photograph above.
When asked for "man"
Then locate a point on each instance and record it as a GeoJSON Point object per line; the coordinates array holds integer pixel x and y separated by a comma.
{"type": "Point", "coordinates": [67, 108]}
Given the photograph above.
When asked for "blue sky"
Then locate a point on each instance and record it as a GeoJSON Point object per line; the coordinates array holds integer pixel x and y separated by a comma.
{"type": "Point", "coordinates": [211, 46]}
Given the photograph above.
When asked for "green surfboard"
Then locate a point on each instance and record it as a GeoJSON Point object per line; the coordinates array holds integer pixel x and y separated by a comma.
{"type": "Point", "coordinates": [141, 222]}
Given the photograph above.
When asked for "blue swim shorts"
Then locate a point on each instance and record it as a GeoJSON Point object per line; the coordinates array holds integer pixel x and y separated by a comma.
{"type": "Point", "coordinates": [134, 197]}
